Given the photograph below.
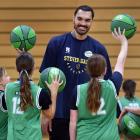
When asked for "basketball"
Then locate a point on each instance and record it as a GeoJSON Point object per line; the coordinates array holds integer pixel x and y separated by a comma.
{"type": "Point", "coordinates": [126, 22]}
{"type": "Point", "coordinates": [23, 37]}
{"type": "Point", "coordinates": [130, 125]}
{"type": "Point", "coordinates": [48, 74]}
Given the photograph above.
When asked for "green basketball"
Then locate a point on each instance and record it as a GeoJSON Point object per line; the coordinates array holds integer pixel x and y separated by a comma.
{"type": "Point", "coordinates": [130, 125]}
{"type": "Point", "coordinates": [48, 74]}
{"type": "Point", "coordinates": [23, 37]}
{"type": "Point", "coordinates": [126, 22]}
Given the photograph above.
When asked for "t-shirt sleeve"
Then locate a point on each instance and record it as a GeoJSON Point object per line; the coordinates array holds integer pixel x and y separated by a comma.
{"type": "Point", "coordinates": [118, 110]}
{"type": "Point", "coordinates": [50, 55]}
{"type": "Point", "coordinates": [44, 99]}
{"type": "Point", "coordinates": [73, 99]}
{"type": "Point", "coordinates": [4, 103]}
{"type": "Point", "coordinates": [117, 80]}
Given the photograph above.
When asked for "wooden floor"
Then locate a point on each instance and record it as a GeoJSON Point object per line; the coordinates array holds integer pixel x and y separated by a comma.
{"type": "Point", "coordinates": [48, 139]}
{"type": "Point", "coordinates": [45, 138]}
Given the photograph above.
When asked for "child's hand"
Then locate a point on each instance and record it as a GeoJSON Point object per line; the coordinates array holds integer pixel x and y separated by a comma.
{"type": "Point", "coordinates": [122, 114]}
{"type": "Point", "coordinates": [119, 36]}
{"type": "Point", "coordinates": [54, 85]}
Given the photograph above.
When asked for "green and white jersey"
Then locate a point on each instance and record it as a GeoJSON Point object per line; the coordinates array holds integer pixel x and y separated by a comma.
{"type": "Point", "coordinates": [23, 125]}
{"type": "Point", "coordinates": [3, 119]}
{"type": "Point", "coordinates": [101, 125]}
{"type": "Point", "coordinates": [133, 102]}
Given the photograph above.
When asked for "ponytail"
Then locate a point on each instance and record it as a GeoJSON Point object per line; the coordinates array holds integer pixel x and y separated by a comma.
{"type": "Point", "coordinates": [129, 87]}
{"type": "Point", "coordinates": [93, 97]}
{"type": "Point", "coordinates": [25, 93]}
{"type": "Point", "coordinates": [96, 66]}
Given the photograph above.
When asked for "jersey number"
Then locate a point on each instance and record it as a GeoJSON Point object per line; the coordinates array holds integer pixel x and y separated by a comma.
{"type": "Point", "coordinates": [136, 105]}
{"type": "Point", "coordinates": [100, 110]}
{"type": "Point", "coordinates": [16, 108]}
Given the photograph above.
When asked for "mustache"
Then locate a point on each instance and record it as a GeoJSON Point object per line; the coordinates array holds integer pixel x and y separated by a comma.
{"type": "Point", "coordinates": [82, 26]}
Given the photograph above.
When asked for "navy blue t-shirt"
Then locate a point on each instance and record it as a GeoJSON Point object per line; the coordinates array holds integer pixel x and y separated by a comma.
{"type": "Point", "coordinates": [70, 55]}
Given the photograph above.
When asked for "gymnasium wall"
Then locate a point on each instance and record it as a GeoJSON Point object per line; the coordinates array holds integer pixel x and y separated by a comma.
{"type": "Point", "coordinates": [53, 17]}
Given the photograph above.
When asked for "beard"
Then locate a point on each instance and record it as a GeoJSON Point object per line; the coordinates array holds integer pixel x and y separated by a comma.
{"type": "Point", "coordinates": [81, 30]}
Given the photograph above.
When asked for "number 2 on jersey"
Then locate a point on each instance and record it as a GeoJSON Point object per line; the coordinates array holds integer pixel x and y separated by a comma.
{"type": "Point", "coordinates": [100, 110]}
{"type": "Point", "coordinates": [16, 108]}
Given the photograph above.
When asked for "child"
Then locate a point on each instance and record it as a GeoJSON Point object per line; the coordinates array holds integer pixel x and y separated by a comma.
{"type": "Point", "coordinates": [4, 79]}
{"type": "Point", "coordinates": [129, 103]}
{"type": "Point", "coordinates": [129, 99]}
{"type": "Point", "coordinates": [93, 109]}
{"type": "Point", "coordinates": [24, 101]}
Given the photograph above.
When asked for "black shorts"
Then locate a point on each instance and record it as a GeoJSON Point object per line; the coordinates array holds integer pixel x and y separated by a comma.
{"type": "Point", "coordinates": [60, 129]}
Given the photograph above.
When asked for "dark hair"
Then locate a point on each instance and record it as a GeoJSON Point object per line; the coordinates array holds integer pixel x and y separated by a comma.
{"type": "Point", "coordinates": [84, 8]}
{"type": "Point", "coordinates": [2, 72]}
{"type": "Point", "coordinates": [96, 67]}
{"type": "Point", "coordinates": [129, 87]}
{"type": "Point", "coordinates": [25, 65]}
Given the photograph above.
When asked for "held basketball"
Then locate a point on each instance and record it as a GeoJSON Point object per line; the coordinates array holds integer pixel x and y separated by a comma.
{"type": "Point", "coordinates": [126, 22]}
{"type": "Point", "coordinates": [48, 74]}
{"type": "Point", "coordinates": [23, 37]}
{"type": "Point", "coordinates": [130, 125]}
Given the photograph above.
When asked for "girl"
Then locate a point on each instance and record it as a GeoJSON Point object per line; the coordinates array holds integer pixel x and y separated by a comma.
{"type": "Point", "coordinates": [129, 99]}
{"type": "Point", "coordinates": [24, 101]}
{"type": "Point", "coordinates": [93, 109]}
{"type": "Point", "coordinates": [4, 79]}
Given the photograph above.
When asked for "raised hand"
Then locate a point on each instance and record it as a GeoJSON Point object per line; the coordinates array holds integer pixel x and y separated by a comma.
{"type": "Point", "coordinates": [119, 36]}
{"type": "Point", "coordinates": [54, 85]}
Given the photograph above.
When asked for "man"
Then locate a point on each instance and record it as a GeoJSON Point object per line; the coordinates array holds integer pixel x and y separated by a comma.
{"type": "Point", "coordinates": [70, 52]}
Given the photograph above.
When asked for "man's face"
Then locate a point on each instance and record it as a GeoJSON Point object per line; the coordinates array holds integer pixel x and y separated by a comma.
{"type": "Point", "coordinates": [82, 22]}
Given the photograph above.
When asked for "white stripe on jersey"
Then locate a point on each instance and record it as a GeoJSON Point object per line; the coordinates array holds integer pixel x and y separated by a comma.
{"type": "Point", "coordinates": [120, 105]}
{"type": "Point", "coordinates": [37, 98]}
{"type": "Point", "coordinates": [115, 92]}
{"type": "Point", "coordinates": [78, 95]}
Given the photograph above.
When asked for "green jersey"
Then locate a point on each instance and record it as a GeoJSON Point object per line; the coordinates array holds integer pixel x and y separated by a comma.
{"type": "Point", "coordinates": [23, 125]}
{"type": "Point", "coordinates": [3, 119]}
{"type": "Point", "coordinates": [101, 125]}
{"type": "Point", "coordinates": [132, 102]}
